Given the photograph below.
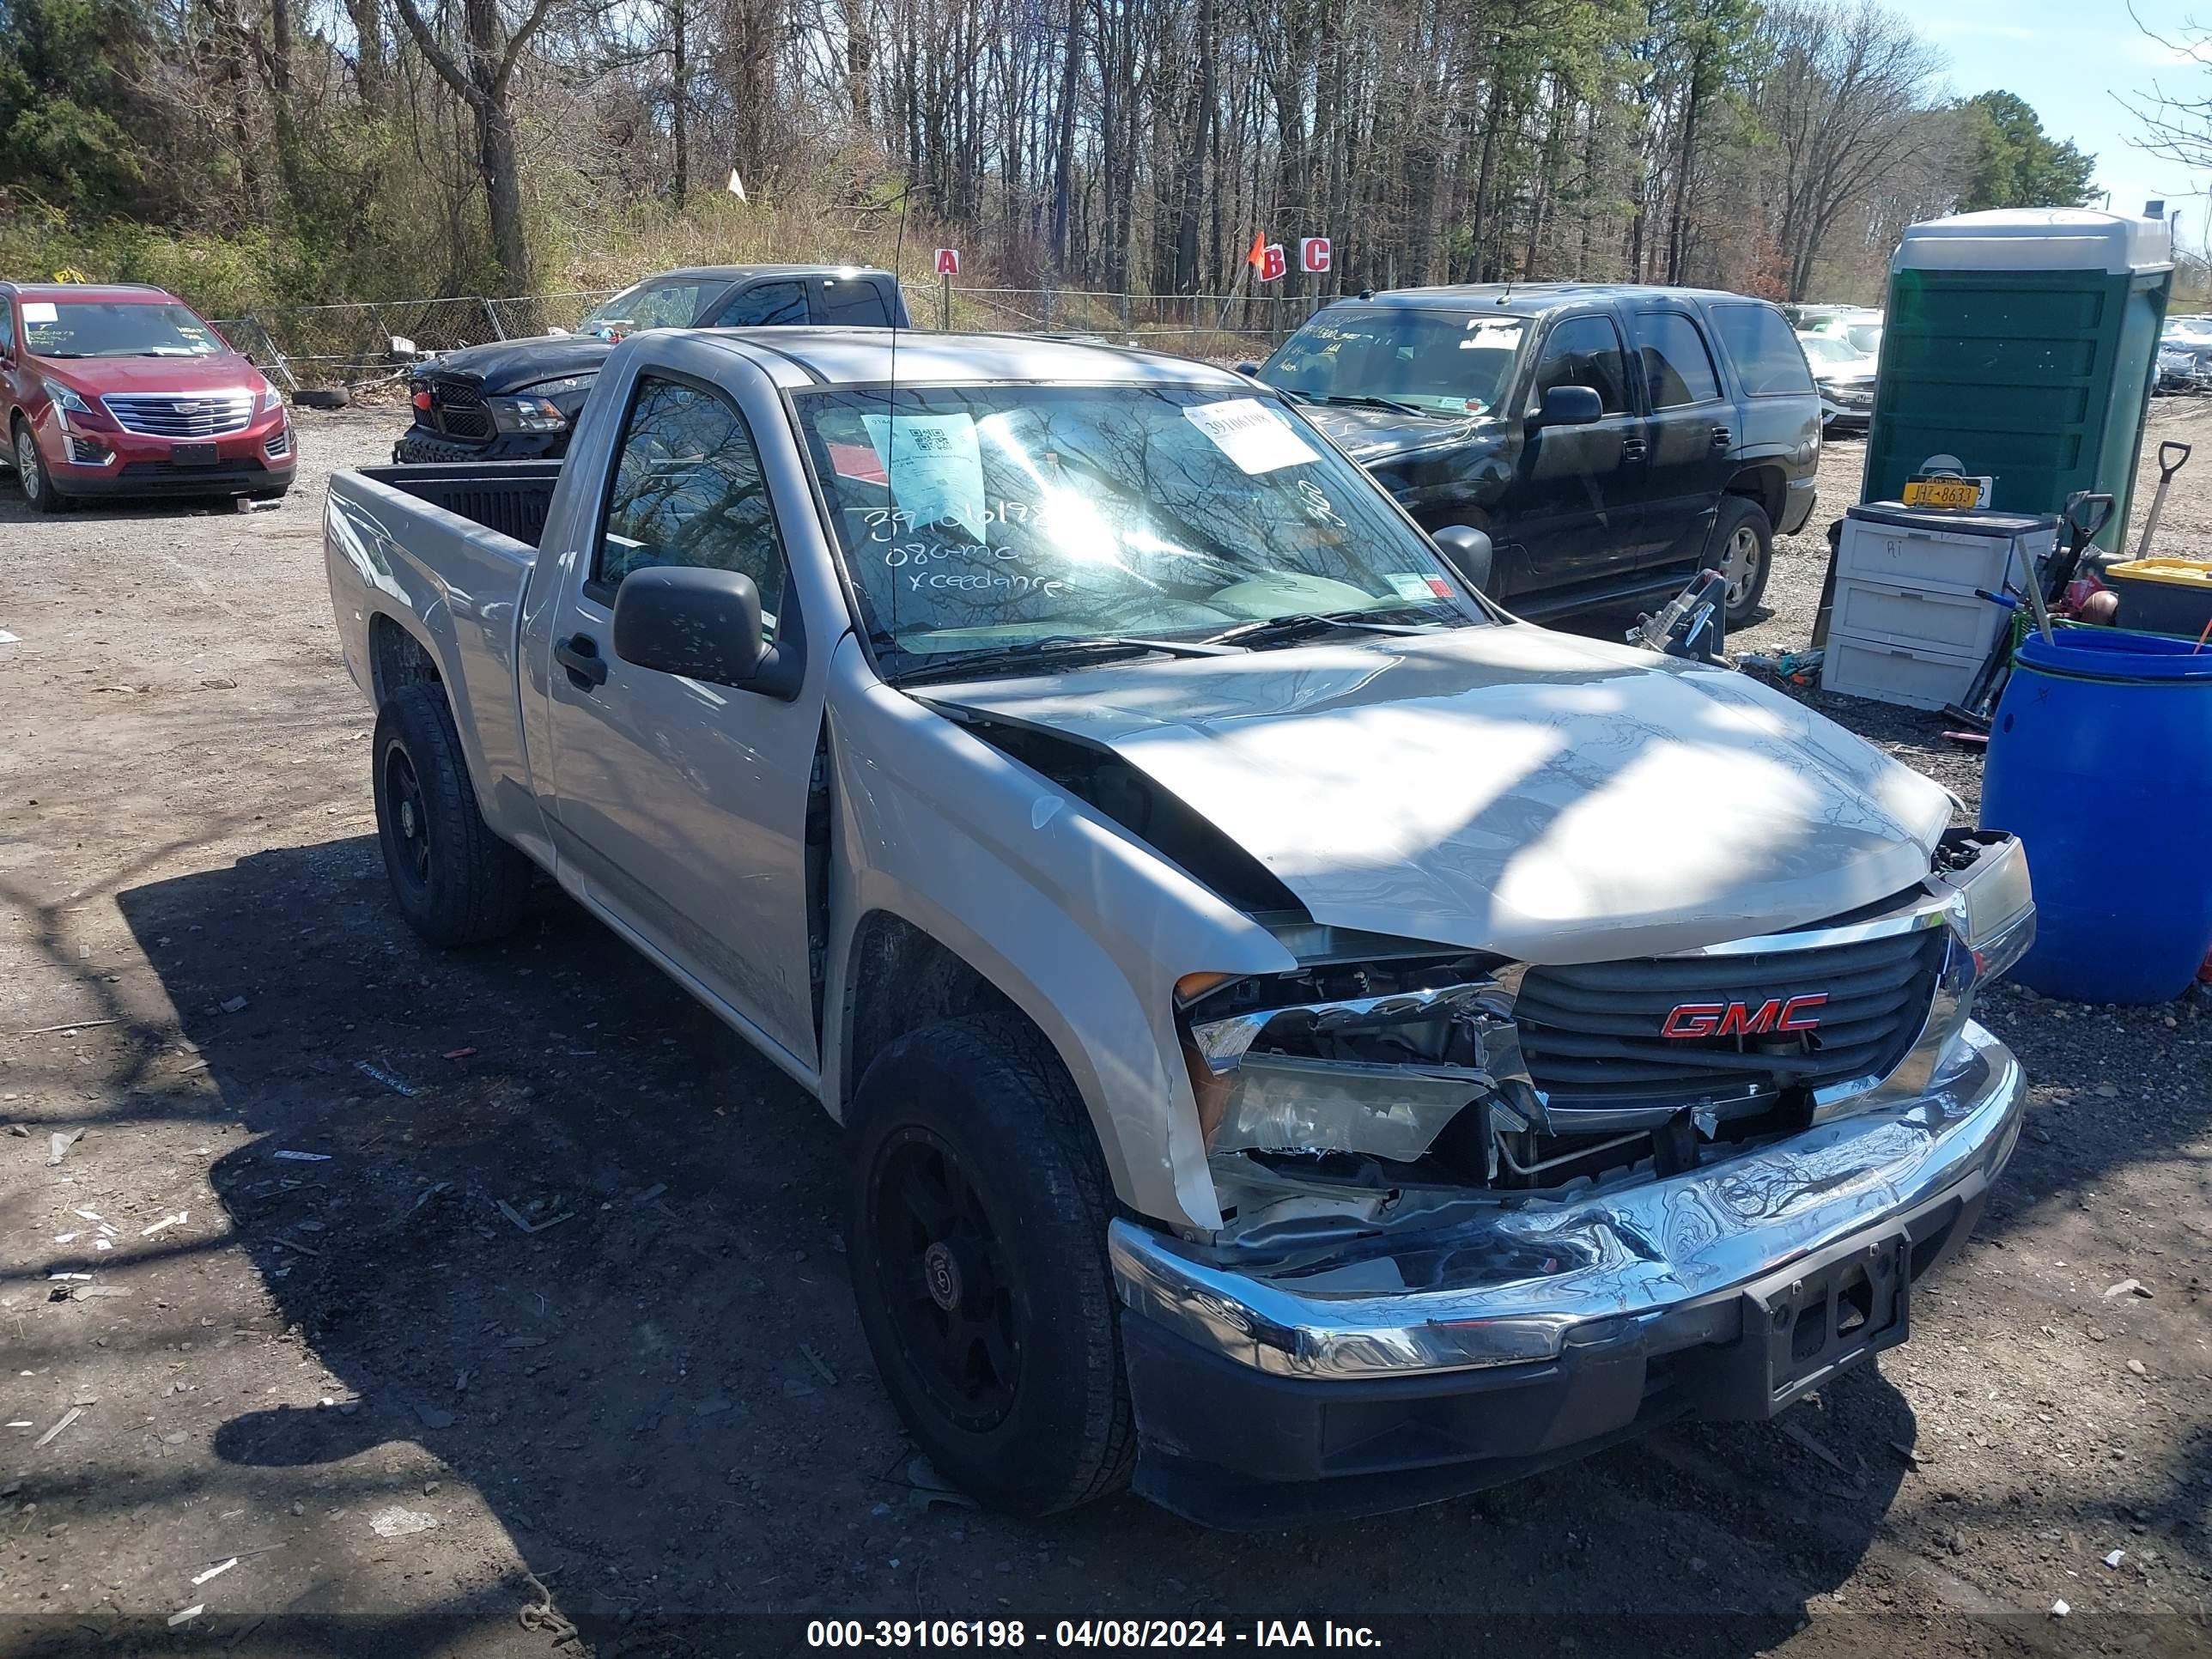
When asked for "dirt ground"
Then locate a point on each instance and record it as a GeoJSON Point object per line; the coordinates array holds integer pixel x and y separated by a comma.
{"type": "Point", "coordinates": [468, 1300]}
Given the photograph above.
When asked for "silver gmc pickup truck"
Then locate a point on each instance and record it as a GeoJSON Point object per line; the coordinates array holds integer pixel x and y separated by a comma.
{"type": "Point", "coordinates": [1307, 1041]}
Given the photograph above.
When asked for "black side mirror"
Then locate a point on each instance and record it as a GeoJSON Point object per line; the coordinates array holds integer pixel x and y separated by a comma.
{"type": "Point", "coordinates": [704, 625]}
{"type": "Point", "coordinates": [1248, 368]}
{"type": "Point", "coordinates": [1467, 551]}
{"type": "Point", "coordinates": [1570, 405]}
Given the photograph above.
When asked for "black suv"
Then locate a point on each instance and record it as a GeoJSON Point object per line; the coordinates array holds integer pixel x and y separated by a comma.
{"type": "Point", "coordinates": [517, 399]}
{"type": "Point", "coordinates": [1608, 439]}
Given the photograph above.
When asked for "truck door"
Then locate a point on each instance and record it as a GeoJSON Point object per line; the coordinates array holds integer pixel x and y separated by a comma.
{"type": "Point", "coordinates": [681, 806]}
{"type": "Point", "coordinates": [1573, 503]}
{"type": "Point", "coordinates": [1692, 433]}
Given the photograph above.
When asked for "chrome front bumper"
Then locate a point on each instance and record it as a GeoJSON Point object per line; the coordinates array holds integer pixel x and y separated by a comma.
{"type": "Point", "coordinates": [1496, 1283]}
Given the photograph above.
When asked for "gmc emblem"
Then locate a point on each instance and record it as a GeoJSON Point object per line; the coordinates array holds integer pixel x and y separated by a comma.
{"type": "Point", "coordinates": [1705, 1019]}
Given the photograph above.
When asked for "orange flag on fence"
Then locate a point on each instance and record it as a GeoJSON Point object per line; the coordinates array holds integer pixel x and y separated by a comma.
{"type": "Point", "coordinates": [1258, 256]}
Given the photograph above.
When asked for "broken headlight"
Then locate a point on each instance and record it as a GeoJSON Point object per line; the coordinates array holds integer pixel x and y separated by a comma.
{"type": "Point", "coordinates": [1381, 1070]}
{"type": "Point", "coordinates": [1993, 900]}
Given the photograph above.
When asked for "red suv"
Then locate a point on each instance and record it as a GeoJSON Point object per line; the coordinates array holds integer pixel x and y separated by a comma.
{"type": "Point", "coordinates": [124, 390]}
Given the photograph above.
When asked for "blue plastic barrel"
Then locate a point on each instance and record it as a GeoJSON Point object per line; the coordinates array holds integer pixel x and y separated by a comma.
{"type": "Point", "coordinates": [2101, 761]}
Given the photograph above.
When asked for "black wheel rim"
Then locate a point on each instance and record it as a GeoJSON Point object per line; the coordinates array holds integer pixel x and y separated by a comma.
{"type": "Point", "coordinates": [942, 1273]}
{"type": "Point", "coordinates": [409, 823]}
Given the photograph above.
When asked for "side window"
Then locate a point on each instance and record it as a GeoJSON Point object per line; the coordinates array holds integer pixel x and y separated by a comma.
{"type": "Point", "coordinates": [688, 490]}
{"type": "Point", "coordinates": [1677, 368]}
{"type": "Point", "coordinates": [1584, 351]}
{"type": "Point", "coordinates": [7, 326]}
{"type": "Point", "coordinates": [765, 305]}
{"type": "Point", "coordinates": [1768, 359]}
{"type": "Point", "coordinates": [857, 304]}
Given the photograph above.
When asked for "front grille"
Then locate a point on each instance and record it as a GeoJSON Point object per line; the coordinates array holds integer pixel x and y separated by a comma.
{"type": "Point", "coordinates": [457, 407]}
{"type": "Point", "coordinates": [1590, 1033]}
{"type": "Point", "coordinates": [168, 415]}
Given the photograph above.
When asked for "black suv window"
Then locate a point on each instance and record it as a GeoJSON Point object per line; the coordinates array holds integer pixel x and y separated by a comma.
{"type": "Point", "coordinates": [688, 490]}
{"type": "Point", "coordinates": [1767, 358]}
{"type": "Point", "coordinates": [855, 303]}
{"type": "Point", "coordinates": [1677, 368]}
{"type": "Point", "coordinates": [764, 305]}
{"type": "Point", "coordinates": [1584, 351]}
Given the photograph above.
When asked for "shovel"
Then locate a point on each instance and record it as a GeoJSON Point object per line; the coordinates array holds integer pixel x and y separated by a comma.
{"type": "Point", "coordinates": [2167, 469]}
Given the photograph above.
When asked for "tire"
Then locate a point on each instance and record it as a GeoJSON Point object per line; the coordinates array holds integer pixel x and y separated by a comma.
{"type": "Point", "coordinates": [31, 474]}
{"type": "Point", "coordinates": [977, 1215]}
{"type": "Point", "coordinates": [1744, 537]}
{"type": "Point", "coordinates": [456, 882]}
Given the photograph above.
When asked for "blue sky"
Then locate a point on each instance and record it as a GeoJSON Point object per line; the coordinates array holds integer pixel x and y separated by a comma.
{"type": "Point", "coordinates": [2068, 59]}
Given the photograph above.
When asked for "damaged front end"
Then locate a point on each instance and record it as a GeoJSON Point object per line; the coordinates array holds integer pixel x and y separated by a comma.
{"type": "Point", "coordinates": [1482, 1216]}
{"type": "Point", "coordinates": [1379, 1080]}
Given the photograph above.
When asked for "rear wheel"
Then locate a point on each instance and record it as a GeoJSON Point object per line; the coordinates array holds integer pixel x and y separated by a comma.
{"type": "Point", "coordinates": [31, 474]}
{"type": "Point", "coordinates": [456, 882]}
{"type": "Point", "coordinates": [977, 1211]}
{"type": "Point", "coordinates": [1743, 552]}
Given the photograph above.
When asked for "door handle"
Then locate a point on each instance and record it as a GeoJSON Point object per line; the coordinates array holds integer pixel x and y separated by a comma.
{"type": "Point", "coordinates": [1633, 449]}
{"type": "Point", "coordinates": [1722, 437]}
{"type": "Point", "coordinates": [580, 655]}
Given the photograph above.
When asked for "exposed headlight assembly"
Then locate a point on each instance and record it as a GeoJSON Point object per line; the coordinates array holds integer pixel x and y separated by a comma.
{"type": "Point", "coordinates": [1993, 907]}
{"type": "Point", "coordinates": [1381, 1074]}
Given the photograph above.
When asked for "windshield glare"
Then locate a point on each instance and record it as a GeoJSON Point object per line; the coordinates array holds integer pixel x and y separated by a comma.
{"type": "Point", "coordinates": [105, 328]}
{"type": "Point", "coordinates": [978, 517]}
{"type": "Point", "coordinates": [1444, 361]}
{"type": "Point", "coordinates": [1822, 350]}
{"type": "Point", "coordinates": [647, 305]}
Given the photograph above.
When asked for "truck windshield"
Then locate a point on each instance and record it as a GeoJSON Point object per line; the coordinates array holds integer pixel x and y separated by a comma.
{"type": "Point", "coordinates": [972, 518]}
{"type": "Point", "coordinates": [673, 303]}
{"type": "Point", "coordinates": [99, 328]}
{"type": "Point", "coordinates": [1448, 361]}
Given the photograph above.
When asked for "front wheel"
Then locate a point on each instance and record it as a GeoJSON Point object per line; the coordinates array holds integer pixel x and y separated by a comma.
{"type": "Point", "coordinates": [455, 881]}
{"type": "Point", "coordinates": [977, 1211]}
{"type": "Point", "coordinates": [37, 484]}
{"type": "Point", "coordinates": [1743, 552]}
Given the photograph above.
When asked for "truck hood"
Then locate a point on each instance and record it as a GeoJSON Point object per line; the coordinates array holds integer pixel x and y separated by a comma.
{"type": "Point", "coordinates": [1509, 789]}
{"type": "Point", "coordinates": [1369, 434]}
{"type": "Point", "coordinates": [511, 365]}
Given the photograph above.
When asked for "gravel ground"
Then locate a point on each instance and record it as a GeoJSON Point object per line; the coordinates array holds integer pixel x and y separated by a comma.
{"type": "Point", "coordinates": [420, 1427]}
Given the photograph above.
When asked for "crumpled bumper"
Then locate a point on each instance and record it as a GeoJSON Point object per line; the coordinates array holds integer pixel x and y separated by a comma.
{"type": "Point", "coordinates": [1392, 1368]}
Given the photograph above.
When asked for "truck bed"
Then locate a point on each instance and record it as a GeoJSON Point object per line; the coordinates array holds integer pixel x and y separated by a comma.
{"type": "Point", "coordinates": [508, 496]}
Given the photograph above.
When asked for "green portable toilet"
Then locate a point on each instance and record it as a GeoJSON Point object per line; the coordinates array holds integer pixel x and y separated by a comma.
{"type": "Point", "coordinates": [2023, 342]}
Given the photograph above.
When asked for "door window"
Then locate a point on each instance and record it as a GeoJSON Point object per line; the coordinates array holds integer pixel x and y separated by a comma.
{"type": "Point", "coordinates": [1767, 358]}
{"type": "Point", "coordinates": [1677, 368]}
{"type": "Point", "coordinates": [688, 490]}
{"type": "Point", "coordinates": [1584, 351]}
{"type": "Point", "coordinates": [856, 304]}
{"type": "Point", "coordinates": [7, 326]}
{"type": "Point", "coordinates": [765, 305]}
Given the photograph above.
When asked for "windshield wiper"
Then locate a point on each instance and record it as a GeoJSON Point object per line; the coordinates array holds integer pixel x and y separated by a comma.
{"type": "Point", "coordinates": [1368, 401]}
{"type": "Point", "coordinates": [1299, 624]}
{"type": "Point", "coordinates": [958, 664]}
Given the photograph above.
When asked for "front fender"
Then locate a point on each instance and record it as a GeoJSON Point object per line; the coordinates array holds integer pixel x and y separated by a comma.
{"type": "Point", "coordinates": [1081, 926]}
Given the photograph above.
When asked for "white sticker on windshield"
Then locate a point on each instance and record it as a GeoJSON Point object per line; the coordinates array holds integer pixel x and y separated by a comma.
{"type": "Point", "coordinates": [1250, 433]}
{"type": "Point", "coordinates": [936, 468]}
{"type": "Point", "coordinates": [1488, 336]}
{"type": "Point", "coordinates": [40, 311]}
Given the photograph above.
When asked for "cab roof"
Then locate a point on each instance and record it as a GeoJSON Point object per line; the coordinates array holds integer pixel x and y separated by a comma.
{"type": "Point", "coordinates": [800, 357]}
{"type": "Point", "coordinates": [110, 293]}
{"type": "Point", "coordinates": [1535, 299]}
{"type": "Point", "coordinates": [736, 273]}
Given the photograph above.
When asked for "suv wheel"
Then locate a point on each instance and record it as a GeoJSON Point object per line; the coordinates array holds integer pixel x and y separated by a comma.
{"type": "Point", "coordinates": [1743, 552]}
{"type": "Point", "coordinates": [977, 1211]}
{"type": "Point", "coordinates": [455, 881]}
{"type": "Point", "coordinates": [30, 473]}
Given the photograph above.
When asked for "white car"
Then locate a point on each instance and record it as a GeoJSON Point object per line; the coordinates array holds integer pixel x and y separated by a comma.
{"type": "Point", "coordinates": [1846, 378]}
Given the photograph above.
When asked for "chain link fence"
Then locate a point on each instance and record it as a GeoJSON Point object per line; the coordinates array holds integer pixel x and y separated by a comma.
{"type": "Point", "coordinates": [351, 344]}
